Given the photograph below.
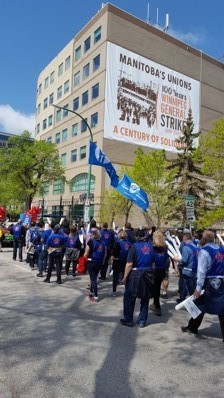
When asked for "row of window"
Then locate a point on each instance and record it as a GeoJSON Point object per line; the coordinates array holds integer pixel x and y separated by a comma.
{"type": "Point", "coordinates": [78, 184]}
{"type": "Point", "coordinates": [50, 79]}
{"type": "Point", "coordinates": [74, 155]}
{"type": "Point", "coordinates": [87, 44]}
{"type": "Point", "coordinates": [86, 70]}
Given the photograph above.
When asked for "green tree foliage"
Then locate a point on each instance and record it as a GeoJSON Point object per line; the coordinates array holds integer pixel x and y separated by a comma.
{"type": "Point", "coordinates": [211, 154]}
{"type": "Point", "coordinates": [189, 176]}
{"type": "Point", "coordinates": [150, 172]}
{"type": "Point", "coordinates": [26, 164]}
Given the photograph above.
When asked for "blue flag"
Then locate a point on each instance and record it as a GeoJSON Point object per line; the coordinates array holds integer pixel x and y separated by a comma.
{"type": "Point", "coordinates": [128, 188]}
{"type": "Point", "coordinates": [98, 158]}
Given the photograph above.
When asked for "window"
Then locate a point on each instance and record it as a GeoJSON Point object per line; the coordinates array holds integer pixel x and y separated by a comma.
{"type": "Point", "coordinates": [50, 120]}
{"type": "Point", "coordinates": [44, 124]}
{"type": "Point", "coordinates": [49, 139]}
{"type": "Point", "coordinates": [45, 188]}
{"type": "Point", "coordinates": [58, 187]}
{"type": "Point", "coordinates": [52, 77]}
{"type": "Point", "coordinates": [97, 35]}
{"type": "Point", "coordinates": [60, 69]}
{"type": "Point", "coordinates": [57, 210]}
{"type": "Point", "coordinates": [51, 98]}
{"type": "Point", "coordinates": [95, 91]}
{"type": "Point", "coordinates": [87, 44]}
{"type": "Point", "coordinates": [67, 63]}
{"type": "Point", "coordinates": [75, 103]}
{"type": "Point", "coordinates": [59, 92]}
{"type": "Point", "coordinates": [74, 155]}
{"type": "Point", "coordinates": [63, 159]}
{"type": "Point", "coordinates": [38, 108]}
{"type": "Point", "coordinates": [77, 78]}
{"type": "Point", "coordinates": [46, 81]}
{"type": "Point", "coordinates": [64, 135]}
{"type": "Point", "coordinates": [82, 152]}
{"type": "Point", "coordinates": [40, 88]}
{"type": "Point", "coordinates": [66, 86]}
{"type": "Point", "coordinates": [94, 119]}
{"type": "Point", "coordinates": [75, 130]}
{"type": "Point", "coordinates": [45, 102]}
{"type": "Point", "coordinates": [83, 125]}
{"type": "Point", "coordinates": [85, 72]}
{"type": "Point", "coordinates": [80, 183]}
{"type": "Point", "coordinates": [65, 112]}
{"type": "Point", "coordinates": [57, 138]}
{"type": "Point", "coordinates": [38, 128]}
{"type": "Point", "coordinates": [85, 98]}
{"type": "Point", "coordinates": [77, 53]}
{"type": "Point", "coordinates": [96, 63]}
{"type": "Point", "coordinates": [58, 115]}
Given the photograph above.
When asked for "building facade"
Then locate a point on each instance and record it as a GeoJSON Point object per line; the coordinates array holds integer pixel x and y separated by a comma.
{"type": "Point", "coordinates": [134, 85]}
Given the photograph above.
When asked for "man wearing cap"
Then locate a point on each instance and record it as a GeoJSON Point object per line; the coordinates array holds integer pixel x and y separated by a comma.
{"type": "Point", "coordinates": [140, 258]}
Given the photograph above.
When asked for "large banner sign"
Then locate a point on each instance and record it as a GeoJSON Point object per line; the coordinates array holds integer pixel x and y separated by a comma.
{"type": "Point", "coordinates": [146, 103]}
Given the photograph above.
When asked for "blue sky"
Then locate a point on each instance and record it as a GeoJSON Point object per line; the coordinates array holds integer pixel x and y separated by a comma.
{"type": "Point", "coordinates": [33, 33]}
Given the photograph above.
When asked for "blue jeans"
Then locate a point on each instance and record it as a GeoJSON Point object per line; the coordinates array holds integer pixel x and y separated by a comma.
{"type": "Point", "coordinates": [190, 283]}
{"type": "Point", "coordinates": [42, 260]}
{"type": "Point", "coordinates": [129, 306]}
{"type": "Point", "coordinates": [93, 270]}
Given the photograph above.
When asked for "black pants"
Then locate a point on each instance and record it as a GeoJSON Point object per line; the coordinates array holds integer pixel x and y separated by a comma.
{"type": "Point", "coordinates": [67, 266]}
{"type": "Point", "coordinates": [54, 258]}
{"type": "Point", "coordinates": [17, 245]}
{"type": "Point", "coordinates": [118, 267]}
{"type": "Point", "coordinates": [159, 276]}
{"type": "Point", "coordinates": [103, 271]}
{"type": "Point", "coordinates": [194, 324]}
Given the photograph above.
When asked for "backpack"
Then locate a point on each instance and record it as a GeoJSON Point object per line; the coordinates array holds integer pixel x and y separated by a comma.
{"type": "Point", "coordinates": [34, 235]}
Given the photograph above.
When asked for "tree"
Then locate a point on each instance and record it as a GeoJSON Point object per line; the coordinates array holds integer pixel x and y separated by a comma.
{"type": "Point", "coordinates": [27, 164]}
{"type": "Point", "coordinates": [189, 176]}
{"type": "Point", "coordinates": [114, 205]}
{"type": "Point", "coordinates": [150, 172]}
{"type": "Point", "coordinates": [211, 155]}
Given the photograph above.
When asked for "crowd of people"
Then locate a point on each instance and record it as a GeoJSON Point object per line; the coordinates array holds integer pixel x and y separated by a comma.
{"type": "Point", "coordinates": [139, 259]}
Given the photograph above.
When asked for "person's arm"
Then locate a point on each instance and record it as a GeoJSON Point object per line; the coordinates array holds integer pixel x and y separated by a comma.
{"type": "Point", "coordinates": [130, 262]}
{"type": "Point", "coordinates": [89, 248]}
{"type": "Point", "coordinates": [204, 263]}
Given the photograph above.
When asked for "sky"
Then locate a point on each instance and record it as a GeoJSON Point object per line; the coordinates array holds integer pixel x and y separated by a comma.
{"type": "Point", "coordinates": [32, 33]}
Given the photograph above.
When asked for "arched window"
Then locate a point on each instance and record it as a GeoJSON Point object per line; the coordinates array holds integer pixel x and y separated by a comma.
{"type": "Point", "coordinates": [80, 183]}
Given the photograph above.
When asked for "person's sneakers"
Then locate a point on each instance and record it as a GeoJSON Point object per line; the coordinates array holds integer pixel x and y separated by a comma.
{"type": "Point", "coordinates": [46, 280]}
{"type": "Point", "coordinates": [40, 274]}
{"type": "Point", "coordinates": [141, 324]}
{"type": "Point", "coordinates": [102, 278]}
{"type": "Point", "coordinates": [157, 312]}
{"type": "Point", "coordinates": [186, 329]}
{"type": "Point", "coordinates": [58, 281]}
{"type": "Point", "coordinates": [126, 323]}
{"type": "Point", "coordinates": [113, 294]}
{"type": "Point", "coordinates": [164, 295]}
{"type": "Point", "coordinates": [93, 299]}
{"type": "Point", "coordinates": [152, 307]}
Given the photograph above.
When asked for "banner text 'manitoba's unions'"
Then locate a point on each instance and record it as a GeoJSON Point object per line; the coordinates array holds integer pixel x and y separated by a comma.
{"type": "Point", "coordinates": [134, 63]}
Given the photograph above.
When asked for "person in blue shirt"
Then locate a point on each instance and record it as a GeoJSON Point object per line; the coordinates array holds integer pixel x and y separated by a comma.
{"type": "Point", "coordinates": [107, 236]}
{"type": "Point", "coordinates": [55, 244]}
{"type": "Point", "coordinates": [120, 253]}
{"type": "Point", "coordinates": [18, 231]}
{"type": "Point", "coordinates": [210, 277]}
{"type": "Point", "coordinates": [43, 254]}
{"type": "Point", "coordinates": [141, 258]}
{"type": "Point", "coordinates": [72, 252]}
{"type": "Point", "coordinates": [188, 265]}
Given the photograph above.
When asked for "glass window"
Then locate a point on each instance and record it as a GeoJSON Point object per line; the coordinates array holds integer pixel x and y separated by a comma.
{"type": "Point", "coordinates": [38, 128]}
{"type": "Point", "coordinates": [49, 139]}
{"type": "Point", "coordinates": [75, 130]}
{"type": "Point", "coordinates": [67, 63]}
{"type": "Point", "coordinates": [64, 135]}
{"type": "Point", "coordinates": [94, 119]}
{"type": "Point", "coordinates": [50, 120]}
{"type": "Point", "coordinates": [52, 77]}
{"type": "Point", "coordinates": [74, 155]}
{"type": "Point", "coordinates": [58, 187]}
{"type": "Point", "coordinates": [77, 53]}
{"type": "Point", "coordinates": [82, 152]}
{"type": "Point", "coordinates": [84, 125]}
{"type": "Point", "coordinates": [51, 98]}
{"type": "Point", "coordinates": [59, 92]}
{"type": "Point", "coordinates": [46, 81]}
{"type": "Point", "coordinates": [57, 138]}
{"type": "Point", "coordinates": [96, 63]}
{"type": "Point", "coordinates": [77, 78]}
{"type": "Point", "coordinates": [95, 91]}
{"type": "Point", "coordinates": [65, 112]}
{"type": "Point", "coordinates": [87, 44]}
{"type": "Point", "coordinates": [75, 103]}
{"type": "Point", "coordinates": [38, 108]}
{"type": "Point", "coordinates": [60, 69]}
{"type": "Point", "coordinates": [58, 115]}
{"type": "Point", "coordinates": [85, 72]}
{"type": "Point", "coordinates": [44, 124]}
{"type": "Point", "coordinates": [66, 86]}
{"type": "Point", "coordinates": [63, 159]}
{"type": "Point", "coordinates": [45, 188]}
{"type": "Point", "coordinates": [40, 88]}
{"type": "Point", "coordinates": [80, 183]}
{"type": "Point", "coordinates": [97, 35]}
{"type": "Point", "coordinates": [57, 210]}
{"type": "Point", "coordinates": [45, 102]}
{"type": "Point", "coordinates": [85, 98]}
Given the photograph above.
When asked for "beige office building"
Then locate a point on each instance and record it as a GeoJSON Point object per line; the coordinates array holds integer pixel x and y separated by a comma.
{"type": "Point", "coordinates": [134, 85]}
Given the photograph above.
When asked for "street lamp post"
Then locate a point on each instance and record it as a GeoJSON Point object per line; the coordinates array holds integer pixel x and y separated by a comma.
{"type": "Point", "coordinates": [87, 202]}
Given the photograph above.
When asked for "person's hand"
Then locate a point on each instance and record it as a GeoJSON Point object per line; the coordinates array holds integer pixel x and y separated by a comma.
{"type": "Point", "coordinates": [124, 281]}
{"type": "Point", "coordinates": [196, 294]}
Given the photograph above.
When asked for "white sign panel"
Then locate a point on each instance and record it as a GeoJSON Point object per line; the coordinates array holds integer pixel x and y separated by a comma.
{"type": "Point", "coordinates": [146, 103]}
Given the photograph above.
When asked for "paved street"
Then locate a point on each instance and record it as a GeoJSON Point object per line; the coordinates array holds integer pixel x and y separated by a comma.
{"type": "Point", "coordinates": [57, 344]}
